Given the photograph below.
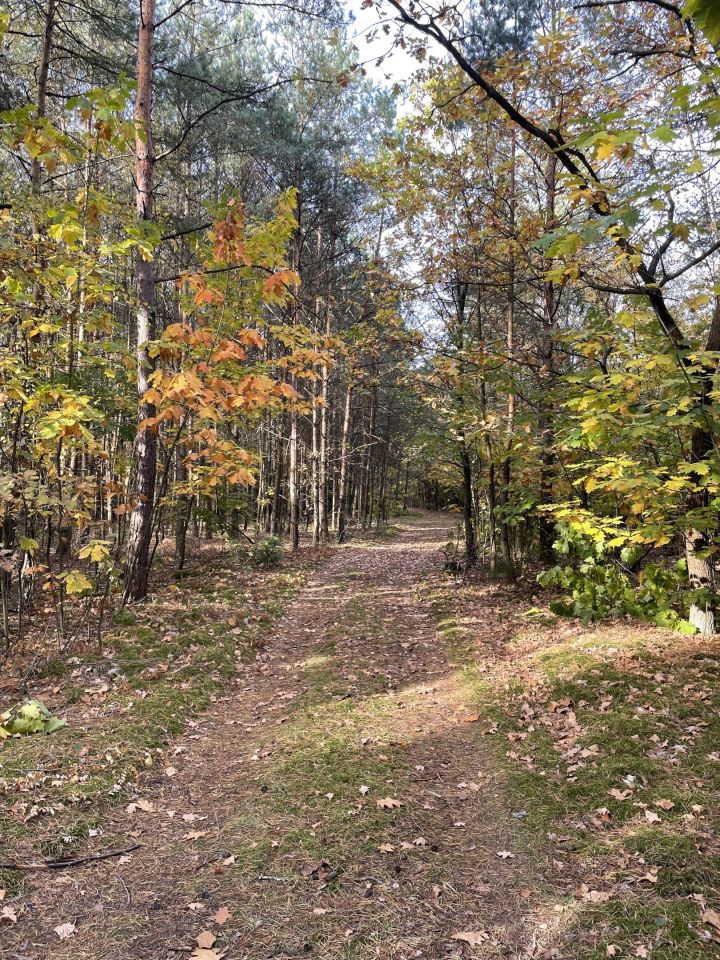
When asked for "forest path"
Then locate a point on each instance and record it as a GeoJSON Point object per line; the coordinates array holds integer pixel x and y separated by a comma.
{"type": "Point", "coordinates": [271, 807]}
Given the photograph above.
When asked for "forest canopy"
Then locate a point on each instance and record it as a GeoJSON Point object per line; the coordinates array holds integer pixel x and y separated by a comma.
{"type": "Point", "coordinates": [240, 287]}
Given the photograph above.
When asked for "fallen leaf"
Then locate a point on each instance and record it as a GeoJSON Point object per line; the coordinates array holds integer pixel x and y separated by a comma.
{"type": "Point", "coordinates": [222, 916]}
{"type": "Point", "coordinates": [65, 930]}
{"type": "Point", "coordinates": [505, 855]}
{"type": "Point", "coordinates": [595, 896]}
{"type": "Point", "coordinates": [9, 914]}
{"type": "Point", "coordinates": [205, 939]}
{"type": "Point", "coordinates": [611, 950]}
{"type": "Point", "coordinates": [201, 953]}
{"type": "Point", "coordinates": [619, 794]}
{"type": "Point", "coordinates": [388, 803]}
{"type": "Point", "coordinates": [194, 835]}
{"type": "Point", "coordinates": [652, 817]}
{"type": "Point", "coordinates": [470, 718]}
{"type": "Point", "coordinates": [364, 790]}
{"type": "Point", "coordinates": [473, 937]}
{"type": "Point", "coordinates": [145, 805]}
{"type": "Point", "coordinates": [712, 917]}
{"type": "Point", "coordinates": [386, 848]}
{"type": "Point", "coordinates": [664, 804]}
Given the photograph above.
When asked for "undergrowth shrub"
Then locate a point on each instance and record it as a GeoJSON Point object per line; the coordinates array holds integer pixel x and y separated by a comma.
{"type": "Point", "coordinates": [601, 582]}
{"type": "Point", "coordinates": [266, 553]}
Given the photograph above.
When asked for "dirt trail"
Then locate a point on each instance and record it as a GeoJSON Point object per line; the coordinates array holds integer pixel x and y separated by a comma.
{"type": "Point", "coordinates": [270, 807]}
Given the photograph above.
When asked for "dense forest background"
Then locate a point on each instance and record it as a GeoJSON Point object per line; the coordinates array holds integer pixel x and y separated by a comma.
{"type": "Point", "coordinates": [359, 479]}
{"type": "Point", "coordinates": [244, 296]}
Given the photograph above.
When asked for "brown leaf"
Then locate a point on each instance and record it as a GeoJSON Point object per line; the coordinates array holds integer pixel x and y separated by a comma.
{"type": "Point", "coordinates": [652, 817]}
{"type": "Point", "coordinates": [9, 914]}
{"type": "Point", "coordinates": [389, 803]}
{"type": "Point", "coordinates": [205, 939]}
{"type": "Point", "coordinates": [712, 917]}
{"type": "Point", "coordinates": [472, 937]}
{"type": "Point", "coordinates": [65, 930]}
{"type": "Point", "coordinates": [595, 896]}
{"type": "Point", "coordinates": [619, 794]}
{"type": "Point", "coordinates": [222, 916]}
{"type": "Point", "coordinates": [664, 804]}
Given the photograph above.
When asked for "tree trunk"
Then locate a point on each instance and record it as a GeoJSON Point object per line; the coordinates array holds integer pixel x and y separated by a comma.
{"type": "Point", "coordinates": [43, 70]}
{"type": "Point", "coordinates": [506, 464]}
{"type": "Point", "coordinates": [547, 372]}
{"type": "Point", "coordinates": [138, 570]}
{"type": "Point", "coordinates": [293, 491]}
{"type": "Point", "coordinates": [470, 545]}
{"type": "Point", "coordinates": [698, 543]}
{"type": "Point", "coordinates": [342, 491]}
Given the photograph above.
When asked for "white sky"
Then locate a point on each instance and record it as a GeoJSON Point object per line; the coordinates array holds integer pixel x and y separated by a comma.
{"type": "Point", "coordinates": [397, 67]}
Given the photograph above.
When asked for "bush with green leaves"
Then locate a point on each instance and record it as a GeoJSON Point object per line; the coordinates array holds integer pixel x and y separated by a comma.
{"type": "Point", "coordinates": [266, 552]}
{"type": "Point", "coordinates": [599, 582]}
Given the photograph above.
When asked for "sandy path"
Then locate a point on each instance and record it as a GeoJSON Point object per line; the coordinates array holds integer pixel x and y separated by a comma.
{"type": "Point", "coordinates": [272, 811]}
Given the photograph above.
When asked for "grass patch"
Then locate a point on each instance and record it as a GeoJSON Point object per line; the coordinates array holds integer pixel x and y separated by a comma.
{"type": "Point", "coordinates": [600, 735]}
{"type": "Point", "coordinates": [125, 705]}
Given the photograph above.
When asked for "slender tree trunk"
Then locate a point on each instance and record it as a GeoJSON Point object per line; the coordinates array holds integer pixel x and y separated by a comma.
{"type": "Point", "coordinates": [470, 545]}
{"type": "Point", "coordinates": [369, 459]}
{"type": "Point", "coordinates": [507, 462]}
{"type": "Point", "coordinates": [293, 488]}
{"type": "Point", "coordinates": [698, 543]}
{"type": "Point", "coordinates": [315, 464]}
{"type": "Point", "coordinates": [143, 494]}
{"type": "Point", "coordinates": [547, 373]}
{"type": "Point", "coordinates": [43, 71]}
{"type": "Point", "coordinates": [323, 452]}
{"type": "Point", "coordinates": [344, 456]}
{"type": "Point", "coordinates": [276, 518]}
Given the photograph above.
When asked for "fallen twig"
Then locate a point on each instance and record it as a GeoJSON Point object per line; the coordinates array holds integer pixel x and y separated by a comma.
{"type": "Point", "coordinates": [63, 862]}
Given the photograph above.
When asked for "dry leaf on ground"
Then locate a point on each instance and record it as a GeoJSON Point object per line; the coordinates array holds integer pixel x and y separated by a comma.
{"type": "Point", "coordinates": [205, 939]}
{"type": "Point", "coordinates": [473, 937]}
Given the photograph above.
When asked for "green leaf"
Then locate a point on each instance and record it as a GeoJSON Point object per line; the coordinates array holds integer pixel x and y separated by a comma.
{"type": "Point", "coordinates": [706, 13]}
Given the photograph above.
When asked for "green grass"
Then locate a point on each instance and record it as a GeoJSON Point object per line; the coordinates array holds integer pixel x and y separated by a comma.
{"type": "Point", "coordinates": [661, 727]}
{"type": "Point", "coordinates": [167, 680]}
